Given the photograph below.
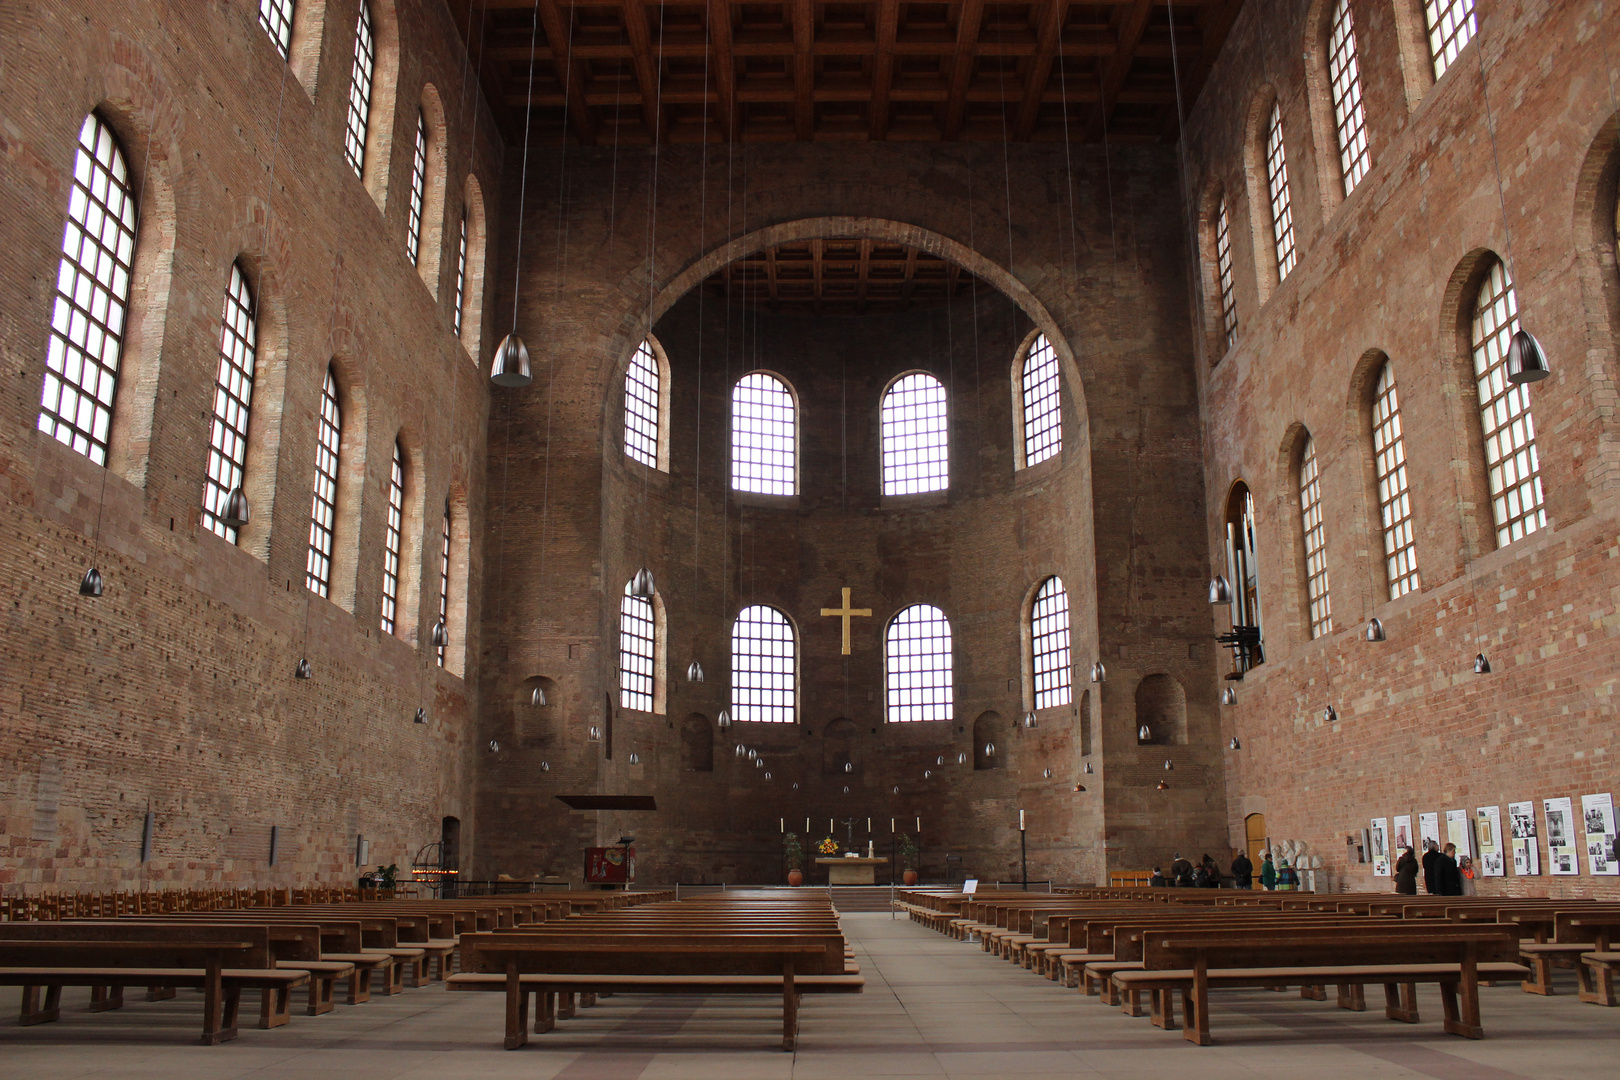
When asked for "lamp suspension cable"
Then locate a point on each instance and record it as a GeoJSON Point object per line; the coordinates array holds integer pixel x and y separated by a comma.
{"type": "Point", "coordinates": [694, 671]}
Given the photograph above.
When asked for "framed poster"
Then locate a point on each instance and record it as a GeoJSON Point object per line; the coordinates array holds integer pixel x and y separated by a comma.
{"type": "Point", "coordinates": [1526, 845]}
{"type": "Point", "coordinates": [1562, 852]}
{"type": "Point", "coordinates": [1458, 832]}
{"type": "Point", "coordinates": [1380, 847]}
{"type": "Point", "coordinates": [1428, 829]}
{"type": "Point", "coordinates": [1597, 814]}
{"type": "Point", "coordinates": [1488, 824]}
{"type": "Point", "coordinates": [1403, 834]}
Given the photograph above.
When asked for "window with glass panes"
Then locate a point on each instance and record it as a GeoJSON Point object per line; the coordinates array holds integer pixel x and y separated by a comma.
{"type": "Point", "coordinates": [413, 236]}
{"type": "Point", "coordinates": [637, 640]}
{"type": "Point", "coordinates": [1511, 461]}
{"type": "Point", "coordinates": [915, 453]}
{"type": "Point", "coordinates": [1310, 517]}
{"type": "Point", "coordinates": [92, 296]}
{"type": "Point", "coordinates": [917, 654]}
{"type": "Point", "coordinates": [276, 16]}
{"type": "Point", "coordinates": [1049, 645]}
{"type": "Point", "coordinates": [1042, 400]}
{"type": "Point", "coordinates": [763, 436]}
{"type": "Point", "coordinates": [444, 579]}
{"type": "Point", "coordinates": [1282, 214]}
{"type": "Point", "coordinates": [233, 400]}
{"type": "Point", "coordinates": [1344, 78]}
{"type": "Point", "coordinates": [1394, 493]}
{"type": "Point", "coordinates": [763, 667]}
{"type": "Point", "coordinates": [392, 540]}
{"type": "Point", "coordinates": [641, 390]}
{"type": "Point", "coordinates": [323, 504]}
{"type": "Point", "coordinates": [461, 275]}
{"type": "Point", "coordinates": [1223, 268]}
{"type": "Point", "coordinates": [365, 66]}
{"type": "Point", "coordinates": [1451, 26]}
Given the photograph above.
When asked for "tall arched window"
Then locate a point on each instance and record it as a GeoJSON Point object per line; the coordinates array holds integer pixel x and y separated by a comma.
{"type": "Point", "coordinates": [1282, 214]}
{"type": "Point", "coordinates": [1504, 408]}
{"type": "Point", "coordinates": [461, 275]}
{"type": "Point", "coordinates": [323, 506]}
{"type": "Point", "coordinates": [92, 296]}
{"type": "Point", "coordinates": [233, 401]}
{"type": "Point", "coordinates": [915, 454]}
{"type": "Point", "coordinates": [764, 667]}
{"type": "Point", "coordinates": [1052, 663]}
{"type": "Point", "coordinates": [413, 225]}
{"type": "Point", "coordinates": [638, 639]}
{"type": "Point", "coordinates": [365, 66]}
{"type": "Point", "coordinates": [444, 578]}
{"type": "Point", "coordinates": [1315, 539]}
{"type": "Point", "coordinates": [1042, 402]}
{"type": "Point", "coordinates": [392, 540]}
{"type": "Point", "coordinates": [1451, 27]}
{"type": "Point", "coordinates": [642, 396]}
{"type": "Point", "coordinates": [276, 16]}
{"type": "Point", "coordinates": [1223, 270]}
{"type": "Point", "coordinates": [917, 651]}
{"type": "Point", "coordinates": [764, 439]}
{"type": "Point", "coordinates": [1344, 78]}
{"type": "Point", "coordinates": [1243, 570]}
{"type": "Point", "coordinates": [1394, 493]}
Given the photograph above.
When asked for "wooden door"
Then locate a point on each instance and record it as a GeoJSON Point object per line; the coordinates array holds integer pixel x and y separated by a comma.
{"type": "Point", "coordinates": [1254, 836]}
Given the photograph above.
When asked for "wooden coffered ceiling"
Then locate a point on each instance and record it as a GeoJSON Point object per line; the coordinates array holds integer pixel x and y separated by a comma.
{"type": "Point", "coordinates": [608, 72]}
{"type": "Point", "coordinates": [841, 277]}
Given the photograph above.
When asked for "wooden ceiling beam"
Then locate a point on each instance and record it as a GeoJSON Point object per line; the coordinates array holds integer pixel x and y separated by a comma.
{"type": "Point", "coordinates": [634, 14]}
{"type": "Point", "coordinates": [888, 18]}
{"type": "Point", "coordinates": [1132, 21]}
{"type": "Point", "coordinates": [725, 72]}
{"type": "Point", "coordinates": [804, 71]}
{"type": "Point", "coordinates": [557, 28]}
{"type": "Point", "coordinates": [1040, 69]}
{"type": "Point", "coordinates": [969, 17]}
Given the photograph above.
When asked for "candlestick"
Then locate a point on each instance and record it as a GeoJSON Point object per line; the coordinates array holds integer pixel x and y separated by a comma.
{"type": "Point", "coordinates": [1020, 821]}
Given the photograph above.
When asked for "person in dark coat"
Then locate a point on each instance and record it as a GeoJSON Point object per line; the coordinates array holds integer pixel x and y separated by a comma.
{"type": "Point", "coordinates": [1158, 881]}
{"type": "Point", "coordinates": [1447, 874]}
{"type": "Point", "coordinates": [1181, 872]}
{"type": "Point", "coordinates": [1242, 872]}
{"type": "Point", "coordinates": [1212, 873]}
{"type": "Point", "coordinates": [1268, 873]}
{"type": "Point", "coordinates": [1431, 884]}
{"type": "Point", "coordinates": [1406, 869]}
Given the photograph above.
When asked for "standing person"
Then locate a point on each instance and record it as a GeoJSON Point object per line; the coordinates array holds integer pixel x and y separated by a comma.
{"type": "Point", "coordinates": [1287, 878]}
{"type": "Point", "coordinates": [1431, 858]}
{"type": "Point", "coordinates": [1242, 872]}
{"type": "Point", "coordinates": [1465, 867]}
{"type": "Point", "coordinates": [1180, 872]}
{"type": "Point", "coordinates": [1447, 875]}
{"type": "Point", "coordinates": [1268, 873]}
{"type": "Point", "coordinates": [1406, 869]}
{"type": "Point", "coordinates": [1157, 881]}
{"type": "Point", "coordinates": [1212, 873]}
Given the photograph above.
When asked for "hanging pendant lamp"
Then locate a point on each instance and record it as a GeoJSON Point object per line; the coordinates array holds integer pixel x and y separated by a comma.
{"type": "Point", "coordinates": [928, 774]}
{"type": "Point", "coordinates": [1030, 723]}
{"type": "Point", "coordinates": [643, 585]}
{"type": "Point", "coordinates": [896, 788]}
{"type": "Point", "coordinates": [1229, 696]}
{"type": "Point", "coordinates": [237, 511]}
{"type": "Point", "coordinates": [494, 746]}
{"type": "Point", "coordinates": [1526, 363]}
{"type": "Point", "coordinates": [1099, 674]}
{"type": "Point", "coordinates": [421, 715]}
{"type": "Point", "coordinates": [635, 759]}
{"type": "Point", "coordinates": [767, 776]}
{"type": "Point", "coordinates": [1079, 787]}
{"type": "Point", "coordinates": [989, 749]}
{"type": "Point", "coordinates": [91, 584]}
{"type": "Point", "coordinates": [441, 635]}
{"type": "Point", "coordinates": [752, 754]}
{"type": "Point", "coordinates": [1375, 630]}
{"type": "Point", "coordinates": [759, 763]}
{"type": "Point", "coordinates": [1234, 744]}
{"type": "Point", "coordinates": [1144, 734]}
{"type": "Point", "coordinates": [1164, 785]}
{"type": "Point", "coordinates": [1089, 770]}
{"type": "Point", "coordinates": [1330, 715]}
{"type": "Point", "coordinates": [1220, 591]}
{"type": "Point", "coordinates": [940, 760]}
{"type": "Point", "coordinates": [1046, 774]}
{"type": "Point", "coordinates": [302, 670]}
{"type": "Point", "coordinates": [545, 766]}
{"type": "Point", "coordinates": [724, 721]}
{"type": "Point", "coordinates": [1482, 666]}
{"type": "Point", "coordinates": [961, 758]}
{"type": "Point", "coordinates": [537, 697]}
{"type": "Point", "coordinates": [739, 750]}
{"type": "Point", "coordinates": [511, 364]}
{"type": "Point", "coordinates": [1168, 765]}
{"type": "Point", "coordinates": [694, 672]}
{"type": "Point", "coordinates": [849, 766]}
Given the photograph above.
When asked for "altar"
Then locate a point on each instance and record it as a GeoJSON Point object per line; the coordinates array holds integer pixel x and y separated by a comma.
{"type": "Point", "coordinates": [851, 871]}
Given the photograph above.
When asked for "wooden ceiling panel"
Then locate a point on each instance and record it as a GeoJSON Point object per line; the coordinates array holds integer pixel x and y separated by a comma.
{"type": "Point", "coordinates": [841, 277]}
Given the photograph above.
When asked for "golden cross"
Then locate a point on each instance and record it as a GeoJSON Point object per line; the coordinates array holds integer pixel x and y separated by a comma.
{"type": "Point", "coordinates": [844, 613]}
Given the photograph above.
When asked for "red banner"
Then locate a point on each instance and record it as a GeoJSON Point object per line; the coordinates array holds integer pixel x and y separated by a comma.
{"type": "Point", "coordinates": [607, 865]}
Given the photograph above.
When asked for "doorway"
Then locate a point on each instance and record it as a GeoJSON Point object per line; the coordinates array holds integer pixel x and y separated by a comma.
{"type": "Point", "coordinates": [1254, 838]}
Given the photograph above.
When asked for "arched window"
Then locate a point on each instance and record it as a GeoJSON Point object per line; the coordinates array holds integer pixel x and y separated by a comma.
{"type": "Point", "coordinates": [1282, 214]}
{"type": "Point", "coordinates": [323, 506]}
{"type": "Point", "coordinates": [392, 538]}
{"type": "Point", "coordinates": [1315, 539]}
{"type": "Point", "coordinates": [1242, 569]}
{"type": "Point", "coordinates": [413, 225]}
{"type": "Point", "coordinates": [917, 651]}
{"type": "Point", "coordinates": [365, 66]}
{"type": "Point", "coordinates": [1451, 27]}
{"type": "Point", "coordinates": [764, 439]}
{"type": "Point", "coordinates": [1394, 493]}
{"type": "Point", "coordinates": [763, 667]}
{"type": "Point", "coordinates": [444, 579]}
{"type": "Point", "coordinates": [637, 641]}
{"type": "Point", "coordinates": [1042, 402]}
{"type": "Point", "coordinates": [276, 16]}
{"type": "Point", "coordinates": [915, 455]}
{"type": "Point", "coordinates": [92, 296]}
{"type": "Point", "coordinates": [1504, 409]}
{"type": "Point", "coordinates": [1052, 664]}
{"type": "Point", "coordinates": [1344, 77]}
{"type": "Point", "coordinates": [233, 400]}
{"type": "Point", "coordinates": [642, 396]}
{"type": "Point", "coordinates": [1223, 270]}
{"type": "Point", "coordinates": [461, 275]}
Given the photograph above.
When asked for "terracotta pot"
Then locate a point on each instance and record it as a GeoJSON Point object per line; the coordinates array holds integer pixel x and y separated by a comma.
{"type": "Point", "coordinates": [909, 877]}
{"type": "Point", "coordinates": [795, 878]}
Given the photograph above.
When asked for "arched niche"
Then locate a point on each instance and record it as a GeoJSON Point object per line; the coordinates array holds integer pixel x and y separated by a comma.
{"type": "Point", "coordinates": [697, 744]}
{"type": "Point", "coordinates": [535, 725]}
{"type": "Point", "coordinates": [1161, 705]}
{"type": "Point", "coordinates": [838, 746]}
{"type": "Point", "coordinates": [987, 752]}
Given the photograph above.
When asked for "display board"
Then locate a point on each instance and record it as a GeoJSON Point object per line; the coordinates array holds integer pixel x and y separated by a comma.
{"type": "Point", "coordinates": [1526, 841]}
{"type": "Point", "coordinates": [1597, 816]}
{"type": "Point", "coordinates": [1380, 847]}
{"type": "Point", "coordinates": [1488, 825]}
{"type": "Point", "coordinates": [1563, 849]}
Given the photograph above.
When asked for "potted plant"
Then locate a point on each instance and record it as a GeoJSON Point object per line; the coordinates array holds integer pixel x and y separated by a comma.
{"type": "Point", "coordinates": [908, 857]}
{"type": "Point", "coordinates": [387, 878]}
{"type": "Point", "coordinates": [793, 855]}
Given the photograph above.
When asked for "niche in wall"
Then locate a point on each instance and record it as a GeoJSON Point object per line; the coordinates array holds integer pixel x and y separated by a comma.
{"type": "Point", "coordinates": [1161, 704]}
{"type": "Point", "coordinates": [986, 729]}
{"type": "Point", "coordinates": [697, 744]}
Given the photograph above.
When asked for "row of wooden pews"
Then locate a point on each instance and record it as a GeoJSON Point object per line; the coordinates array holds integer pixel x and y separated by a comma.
{"type": "Point", "coordinates": [371, 946]}
{"type": "Point", "coordinates": [783, 942]}
{"type": "Point", "coordinates": [1121, 943]}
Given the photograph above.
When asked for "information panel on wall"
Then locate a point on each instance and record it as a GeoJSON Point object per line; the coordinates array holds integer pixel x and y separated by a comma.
{"type": "Point", "coordinates": [1526, 842]}
{"type": "Point", "coordinates": [1403, 834]}
{"type": "Point", "coordinates": [1380, 847]}
{"type": "Point", "coordinates": [1488, 825]}
{"type": "Point", "coordinates": [1429, 829]}
{"type": "Point", "coordinates": [1563, 850]}
{"type": "Point", "coordinates": [1597, 816]}
{"type": "Point", "coordinates": [1458, 832]}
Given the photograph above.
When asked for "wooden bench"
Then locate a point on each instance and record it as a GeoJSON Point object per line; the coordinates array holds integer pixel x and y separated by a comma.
{"type": "Point", "coordinates": [1192, 962]}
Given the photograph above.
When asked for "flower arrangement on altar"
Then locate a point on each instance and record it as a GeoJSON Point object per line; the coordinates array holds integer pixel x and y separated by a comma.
{"type": "Point", "coordinates": [829, 846]}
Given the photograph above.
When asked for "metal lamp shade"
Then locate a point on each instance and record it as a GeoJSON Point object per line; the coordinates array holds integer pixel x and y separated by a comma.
{"type": "Point", "coordinates": [1234, 744]}
{"type": "Point", "coordinates": [1144, 734]}
{"type": "Point", "coordinates": [1030, 723]}
{"type": "Point", "coordinates": [989, 749]}
{"type": "Point", "coordinates": [1330, 715]}
{"type": "Point", "coordinates": [1046, 774]}
{"type": "Point", "coordinates": [1164, 785]}
{"type": "Point", "coordinates": [1526, 363]}
{"type": "Point", "coordinates": [849, 766]}
{"type": "Point", "coordinates": [441, 635]}
{"type": "Point", "coordinates": [1375, 630]}
{"type": "Point", "coordinates": [537, 697]}
{"type": "Point", "coordinates": [237, 511]}
{"type": "Point", "coordinates": [643, 585]}
{"type": "Point", "coordinates": [724, 721]}
{"type": "Point", "coordinates": [1099, 673]}
{"type": "Point", "coordinates": [511, 364]}
{"type": "Point", "coordinates": [1482, 666]}
{"type": "Point", "coordinates": [694, 672]}
{"type": "Point", "coordinates": [1168, 765]}
{"type": "Point", "coordinates": [1229, 696]}
{"type": "Point", "coordinates": [1220, 591]}
{"type": "Point", "coordinates": [421, 715]}
{"type": "Point", "coordinates": [91, 583]}
{"type": "Point", "coordinates": [635, 759]}
{"type": "Point", "coordinates": [302, 671]}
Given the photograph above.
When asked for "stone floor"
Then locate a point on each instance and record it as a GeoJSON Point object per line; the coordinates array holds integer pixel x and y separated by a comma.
{"type": "Point", "coordinates": [932, 1007]}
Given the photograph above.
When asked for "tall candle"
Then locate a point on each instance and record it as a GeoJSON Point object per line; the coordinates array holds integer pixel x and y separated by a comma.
{"type": "Point", "coordinates": [829, 826]}
{"type": "Point", "coordinates": [919, 824]}
{"type": "Point", "coordinates": [782, 824]}
{"type": "Point", "coordinates": [1020, 821]}
{"type": "Point", "coordinates": [868, 824]}
{"type": "Point", "coordinates": [891, 825]}
{"type": "Point", "coordinates": [807, 828]}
